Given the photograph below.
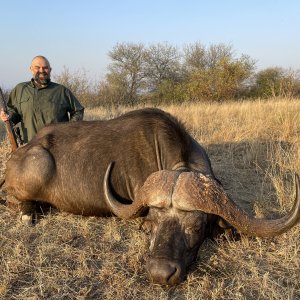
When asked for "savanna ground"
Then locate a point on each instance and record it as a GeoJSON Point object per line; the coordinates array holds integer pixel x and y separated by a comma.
{"type": "Point", "coordinates": [255, 150]}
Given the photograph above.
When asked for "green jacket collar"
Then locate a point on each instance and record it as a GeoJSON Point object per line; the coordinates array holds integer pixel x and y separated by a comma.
{"type": "Point", "coordinates": [37, 86]}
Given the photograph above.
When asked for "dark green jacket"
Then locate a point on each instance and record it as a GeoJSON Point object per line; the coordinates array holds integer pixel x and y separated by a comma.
{"type": "Point", "coordinates": [36, 107]}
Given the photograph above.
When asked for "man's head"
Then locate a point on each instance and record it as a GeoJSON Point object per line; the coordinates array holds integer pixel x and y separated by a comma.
{"type": "Point", "coordinates": [40, 69]}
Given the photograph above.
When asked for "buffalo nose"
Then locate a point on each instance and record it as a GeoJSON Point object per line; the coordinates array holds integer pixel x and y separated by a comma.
{"type": "Point", "coordinates": [164, 272]}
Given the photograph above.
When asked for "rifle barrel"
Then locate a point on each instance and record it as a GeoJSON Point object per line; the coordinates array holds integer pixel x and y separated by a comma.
{"type": "Point", "coordinates": [9, 129]}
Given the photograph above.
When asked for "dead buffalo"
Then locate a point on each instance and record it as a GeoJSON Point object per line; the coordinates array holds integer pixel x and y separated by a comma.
{"type": "Point", "coordinates": [143, 163]}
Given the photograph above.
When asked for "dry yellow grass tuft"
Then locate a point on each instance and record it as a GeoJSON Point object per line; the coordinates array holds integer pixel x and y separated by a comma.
{"type": "Point", "coordinates": [255, 150]}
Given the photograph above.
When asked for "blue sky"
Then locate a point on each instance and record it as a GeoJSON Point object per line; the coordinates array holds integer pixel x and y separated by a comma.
{"type": "Point", "coordinates": [79, 34]}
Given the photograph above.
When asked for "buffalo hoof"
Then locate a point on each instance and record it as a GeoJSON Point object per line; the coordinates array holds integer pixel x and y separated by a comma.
{"type": "Point", "coordinates": [27, 219]}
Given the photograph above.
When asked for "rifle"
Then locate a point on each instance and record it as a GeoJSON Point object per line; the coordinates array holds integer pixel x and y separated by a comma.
{"type": "Point", "coordinates": [9, 128]}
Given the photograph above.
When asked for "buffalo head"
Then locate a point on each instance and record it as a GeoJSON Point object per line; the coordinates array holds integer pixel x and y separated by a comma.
{"type": "Point", "coordinates": [182, 204]}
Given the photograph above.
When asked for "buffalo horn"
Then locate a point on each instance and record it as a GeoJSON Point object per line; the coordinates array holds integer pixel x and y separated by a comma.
{"type": "Point", "coordinates": [156, 191]}
{"type": "Point", "coordinates": [195, 191]}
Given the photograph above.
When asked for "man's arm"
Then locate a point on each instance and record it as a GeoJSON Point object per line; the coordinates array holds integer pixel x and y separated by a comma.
{"type": "Point", "coordinates": [14, 116]}
{"type": "Point", "coordinates": [77, 115]}
{"type": "Point", "coordinates": [76, 109]}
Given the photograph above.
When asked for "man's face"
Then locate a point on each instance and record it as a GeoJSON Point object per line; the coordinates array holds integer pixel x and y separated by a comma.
{"type": "Point", "coordinates": [40, 71]}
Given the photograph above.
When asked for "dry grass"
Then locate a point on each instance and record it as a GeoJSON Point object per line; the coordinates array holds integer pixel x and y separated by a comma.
{"type": "Point", "coordinates": [254, 148]}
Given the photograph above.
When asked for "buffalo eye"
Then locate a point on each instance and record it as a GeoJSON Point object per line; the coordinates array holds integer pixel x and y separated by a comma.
{"type": "Point", "coordinates": [193, 229]}
{"type": "Point", "coordinates": [193, 235]}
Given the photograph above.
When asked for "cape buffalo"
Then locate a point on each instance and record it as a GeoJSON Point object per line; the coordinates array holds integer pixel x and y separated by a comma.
{"type": "Point", "coordinates": [143, 163]}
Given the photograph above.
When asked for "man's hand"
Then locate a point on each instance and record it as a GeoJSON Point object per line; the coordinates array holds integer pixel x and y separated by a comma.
{"type": "Point", "coordinates": [4, 116]}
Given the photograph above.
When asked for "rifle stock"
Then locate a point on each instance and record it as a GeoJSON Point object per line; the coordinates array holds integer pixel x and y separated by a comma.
{"type": "Point", "coordinates": [9, 129]}
{"type": "Point", "coordinates": [11, 136]}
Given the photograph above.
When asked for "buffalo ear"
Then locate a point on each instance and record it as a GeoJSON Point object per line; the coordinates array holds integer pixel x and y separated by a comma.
{"type": "Point", "coordinates": [219, 227]}
{"type": "Point", "coordinates": [223, 223]}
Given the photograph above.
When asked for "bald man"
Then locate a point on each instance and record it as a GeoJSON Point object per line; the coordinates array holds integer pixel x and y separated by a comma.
{"type": "Point", "coordinates": [39, 102]}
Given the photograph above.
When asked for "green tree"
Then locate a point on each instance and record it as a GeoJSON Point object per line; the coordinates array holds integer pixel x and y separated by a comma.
{"type": "Point", "coordinates": [214, 73]}
{"type": "Point", "coordinates": [199, 57]}
{"type": "Point", "coordinates": [163, 74]}
{"type": "Point", "coordinates": [126, 72]}
{"type": "Point", "coordinates": [276, 82]}
{"type": "Point", "coordinates": [162, 62]}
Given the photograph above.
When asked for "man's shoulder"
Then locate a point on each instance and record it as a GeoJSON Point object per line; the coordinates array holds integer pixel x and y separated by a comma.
{"type": "Point", "coordinates": [23, 84]}
{"type": "Point", "coordinates": [57, 85]}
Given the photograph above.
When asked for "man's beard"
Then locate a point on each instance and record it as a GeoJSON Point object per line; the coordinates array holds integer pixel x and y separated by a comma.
{"type": "Point", "coordinates": [41, 81]}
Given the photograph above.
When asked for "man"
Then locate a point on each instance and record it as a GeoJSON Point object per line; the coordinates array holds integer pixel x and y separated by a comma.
{"type": "Point", "coordinates": [39, 102]}
{"type": "Point", "coordinates": [35, 104]}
